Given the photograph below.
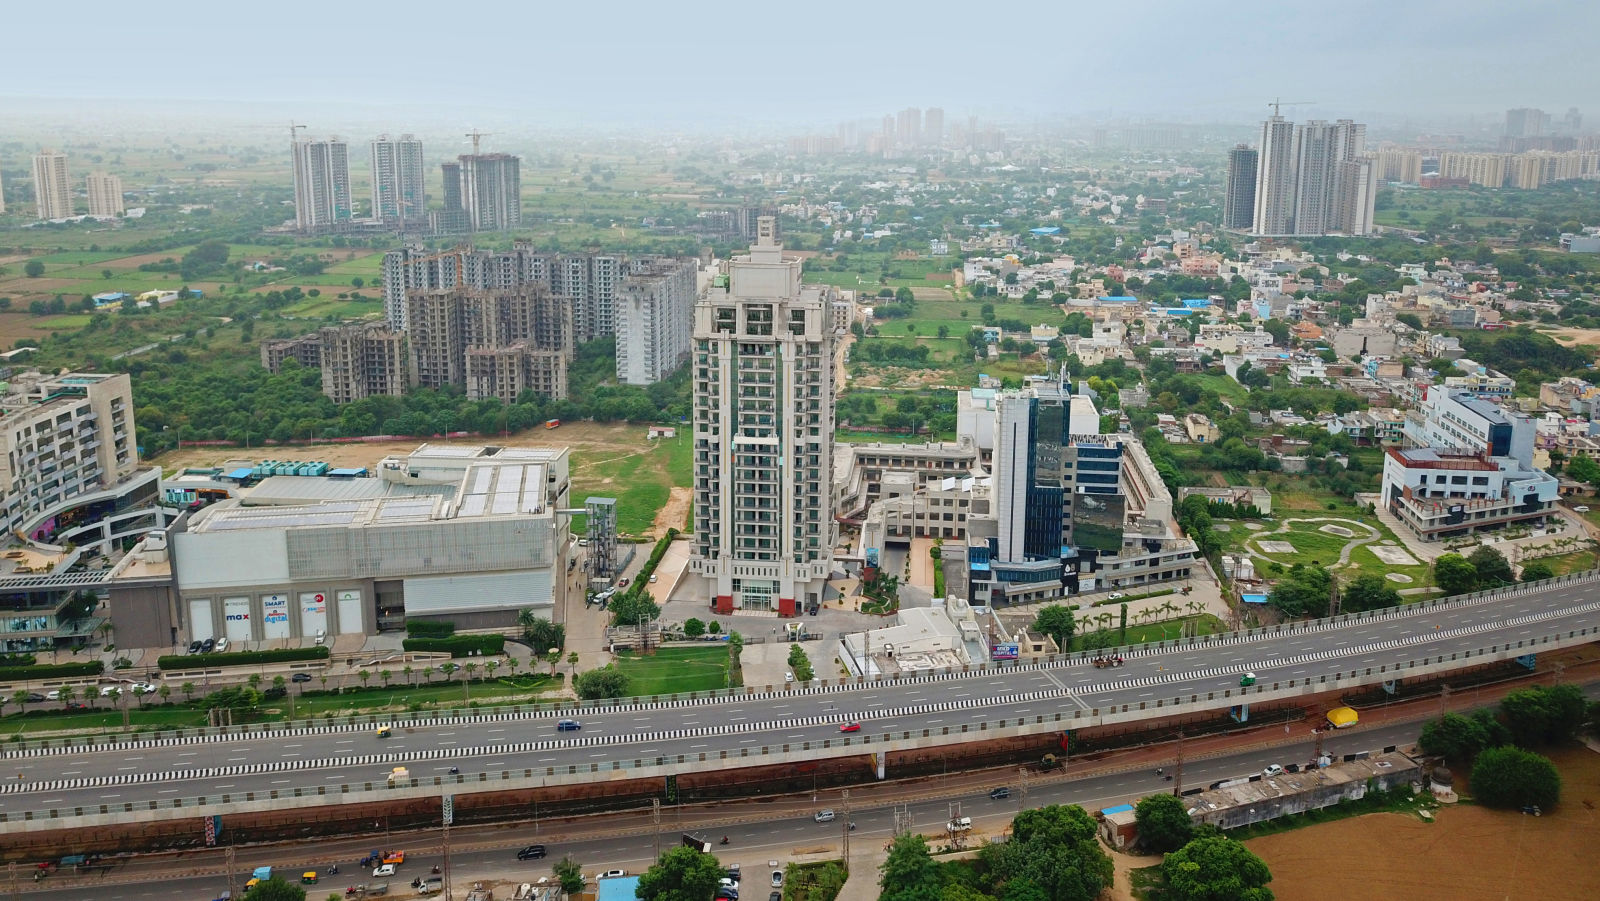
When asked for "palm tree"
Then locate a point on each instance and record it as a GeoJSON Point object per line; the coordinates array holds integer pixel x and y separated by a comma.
{"type": "Point", "coordinates": [407, 672]}
{"type": "Point", "coordinates": [364, 675]}
{"type": "Point", "coordinates": [385, 675]}
{"type": "Point", "coordinates": [471, 669]}
{"type": "Point", "coordinates": [511, 665]}
{"type": "Point", "coordinates": [448, 669]}
{"type": "Point", "coordinates": [66, 694]}
{"type": "Point", "coordinates": [324, 680]}
{"type": "Point", "coordinates": [490, 666]}
{"type": "Point", "coordinates": [427, 674]}
{"type": "Point", "coordinates": [165, 691]}
{"type": "Point", "coordinates": [20, 698]}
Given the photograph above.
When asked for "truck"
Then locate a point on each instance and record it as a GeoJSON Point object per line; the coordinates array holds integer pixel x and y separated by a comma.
{"type": "Point", "coordinates": [430, 886]}
{"type": "Point", "coordinates": [552, 423]}
{"type": "Point", "coordinates": [381, 888]}
{"type": "Point", "coordinates": [959, 824]}
{"type": "Point", "coordinates": [480, 892]}
{"type": "Point", "coordinates": [699, 843]}
{"type": "Point", "coordinates": [399, 776]}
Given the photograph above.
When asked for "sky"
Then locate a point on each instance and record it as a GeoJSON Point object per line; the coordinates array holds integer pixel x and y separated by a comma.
{"type": "Point", "coordinates": [813, 62]}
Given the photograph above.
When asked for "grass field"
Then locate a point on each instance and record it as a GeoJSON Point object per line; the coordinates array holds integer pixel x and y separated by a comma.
{"type": "Point", "coordinates": [671, 670]}
{"type": "Point", "coordinates": [1089, 635]}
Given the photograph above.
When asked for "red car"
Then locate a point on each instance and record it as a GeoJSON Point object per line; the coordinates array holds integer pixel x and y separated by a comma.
{"type": "Point", "coordinates": [850, 727]}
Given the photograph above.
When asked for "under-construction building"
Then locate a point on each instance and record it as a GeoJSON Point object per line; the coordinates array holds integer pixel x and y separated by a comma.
{"type": "Point", "coordinates": [305, 350]}
{"type": "Point", "coordinates": [654, 319]}
{"type": "Point", "coordinates": [362, 359]}
{"type": "Point", "coordinates": [491, 342]}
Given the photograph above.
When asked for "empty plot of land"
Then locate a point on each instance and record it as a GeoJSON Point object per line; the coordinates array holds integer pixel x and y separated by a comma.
{"type": "Point", "coordinates": [1391, 555]}
{"type": "Point", "coordinates": [1275, 547]}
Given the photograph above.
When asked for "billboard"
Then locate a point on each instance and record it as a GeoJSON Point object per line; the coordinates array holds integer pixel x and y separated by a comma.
{"type": "Point", "coordinates": [1004, 652]}
{"type": "Point", "coordinates": [274, 616]}
{"type": "Point", "coordinates": [236, 618]}
{"type": "Point", "coordinates": [1097, 522]}
{"type": "Point", "coordinates": [313, 612]}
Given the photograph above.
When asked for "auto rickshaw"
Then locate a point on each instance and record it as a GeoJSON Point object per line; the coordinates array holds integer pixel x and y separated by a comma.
{"type": "Point", "coordinates": [385, 731]}
{"type": "Point", "coordinates": [309, 877]}
{"type": "Point", "coordinates": [1247, 679]}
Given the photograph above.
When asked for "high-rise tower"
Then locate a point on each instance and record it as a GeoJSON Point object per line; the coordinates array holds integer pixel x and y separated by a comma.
{"type": "Point", "coordinates": [51, 190]}
{"type": "Point", "coordinates": [397, 181]}
{"type": "Point", "coordinates": [762, 368]}
{"type": "Point", "coordinates": [1275, 179]}
{"type": "Point", "coordinates": [321, 185]}
{"type": "Point", "coordinates": [1239, 205]}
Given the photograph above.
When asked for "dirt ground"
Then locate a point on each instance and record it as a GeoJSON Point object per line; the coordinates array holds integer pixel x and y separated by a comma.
{"type": "Point", "coordinates": [1573, 336]}
{"type": "Point", "coordinates": [675, 515]}
{"type": "Point", "coordinates": [1468, 854]}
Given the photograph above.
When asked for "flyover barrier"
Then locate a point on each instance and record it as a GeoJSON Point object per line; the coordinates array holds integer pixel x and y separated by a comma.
{"type": "Point", "coordinates": [227, 803]}
{"type": "Point", "coordinates": [470, 716]}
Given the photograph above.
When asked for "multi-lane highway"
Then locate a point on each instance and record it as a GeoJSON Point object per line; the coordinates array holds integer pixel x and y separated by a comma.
{"type": "Point", "coordinates": [756, 833]}
{"type": "Point", "coordinates": [945, 706]}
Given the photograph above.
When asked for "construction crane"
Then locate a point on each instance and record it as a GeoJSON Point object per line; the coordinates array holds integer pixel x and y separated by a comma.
{"type": "Point", "coordinates": [294, 132]}
{"type": "Point", "coordinates": [475, 135]}
{"type": "Point", "coordinates": [1275, 103]}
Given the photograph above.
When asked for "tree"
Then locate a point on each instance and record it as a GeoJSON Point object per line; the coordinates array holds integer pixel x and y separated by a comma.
{"type": "Point", "coordinates": [909, 873]}
{"type": "Point", "coordinates": [693, 627]}
{"type": "Point", "coordinates": [1537, 571]}
{"type": "Point", "coordinates": [1455, 574]}
{"type": "Point", "coordinates": [33, 269]}
{"type": "Point", "coordinates": [1512, 777]}
{"type": "Point", "coordinates": [1057, 622]}
{"type": "Point", "coordinates": [1302, 591]}
{"type": "Point", "coordinates": [1164, 823]}
{"type": "Point", "coordinates": [800, 664]}
{"type": "Point", "coordinates": [606, 682]}
{"type": "Point", "coordinates": [1544, 714]}
{"type": "Point", "coordinates": [1216, 868]}
{"type": "Point", "coordinates": [570, 874]}
{"type": "Point", "coordinates": [276, 889]}
{"type": "Point", "coordinates": [1054, 848]}
{"type": "Point", "coordinates": [1368, 591]}
{"type": "Point", "coordinates": [552, 658]}
{"type": "Point", "coordinates": [1584, 469]}
{"type": "Point", "coordinates": [1491, 566]}
{"type": "Point", "coordinates": [681, 874]}
{"type": "Point", "coordinates": [1454, 737]}
{"type": "Point", "coordinates": [633, 608]}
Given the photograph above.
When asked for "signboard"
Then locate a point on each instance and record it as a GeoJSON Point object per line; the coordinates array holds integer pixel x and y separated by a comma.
{"type": "Point", "coordinates": [1004, 652]}
{"type": "Point", "coordinates": [213, 826]}
{"type": "Point", "coordinates": [313, 613]}
{"type": "Point", "coordinates": [449, 809]}
{"type": "Point", "coordinates": [236, 618]}
{"type": "Point", "coordinates": [349, 612]}
{"type": "Point", "coordinates": [275, 616]}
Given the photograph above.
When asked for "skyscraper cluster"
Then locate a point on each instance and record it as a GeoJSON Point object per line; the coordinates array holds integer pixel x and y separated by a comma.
{"type": "Point", "coordinates": [1315, 179]}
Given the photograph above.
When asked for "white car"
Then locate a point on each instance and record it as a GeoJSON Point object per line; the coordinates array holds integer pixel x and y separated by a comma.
{"type": "Point", "coordinates": [612, 874]}
{"type": "Point", "coordinates": [1273, 770]}
{"type": "Point", "coordinates": [107, 691]}
{"type": "Point", "coordinates": [1116, 595]}
{"type": "Point", "coordinates": [385, 870]}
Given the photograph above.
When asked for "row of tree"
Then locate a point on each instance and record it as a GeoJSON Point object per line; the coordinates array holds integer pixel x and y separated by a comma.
{"type": "Point", "coordinates": [1506, 771]}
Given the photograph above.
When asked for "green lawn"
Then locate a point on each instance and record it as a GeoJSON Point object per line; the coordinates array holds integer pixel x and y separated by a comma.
{"type": "Point", "coordinates": [1098, 632]}
{"type": "Point", "coordinates": [639, 477]}
{"type": "Point", "coordinates": [1563, 564]}
{"type": "Point", "coordinates": [674, 670]}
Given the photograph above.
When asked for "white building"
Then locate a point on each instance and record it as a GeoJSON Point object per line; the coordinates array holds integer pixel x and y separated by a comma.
{"type": "Point", "coordinates": [398, 197]}
{"type": "Point", "coordinates": [1275, 179]}
{"type": "Point", "coordinates": [321, 185]}
{"type": "Point", "coordinates": [1471, 469]}
{"type": "Point", "coordinates": [52, 190]}
{"type": "Point", "coordinates": [763, 369]}
{"type": "Point", "coordinates": [654, 318]}
{"type": "Point", "coordinates": [105, 194]}
{"type": "Point", "coordinates": [470, 535]}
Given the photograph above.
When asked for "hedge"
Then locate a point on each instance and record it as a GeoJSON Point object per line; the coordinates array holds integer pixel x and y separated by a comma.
{"type": "Point", "coordinates": [421, 628]}
{"type": "Point", "coordinates": [242, 658]}
{"type": "Point", "coordinates": [459, 645]}
{"type": "Point", "coordinates": [7, 660]}
{"type": "Point", "coordinates": [50, 671]}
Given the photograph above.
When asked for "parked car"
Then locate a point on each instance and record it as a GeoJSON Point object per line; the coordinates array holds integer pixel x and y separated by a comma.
{"type": "Point", "coordinates": [1115, 596]}
{"type": "Point", "coordinates": [107, 691]}
{"type": "Point", "coordinates": [1273, 770]}
{"type": "Point", "coordinates": [652, 578]}
{"type": "Point", "coordinates": [612, 874]}
{"type": "Point", "coordinates": [532, 852]}
{"type": "Point", "coordinates": [568, 725]}
{"type": "Point", "coordinates": [322, 636]}
{"type": "Point", "coordinates": [195, 646]}
{"type": "Point", "coordinates": [850, 727]}
{"type": "Point", "coordinates": [999, 794]}
{"type": "Point", "coordinates": [53, 695]}
{"type": "Point", "coordinates": [725, 893]}
{"type": "Point", "coordinates": [788, 677]}
{"type": "Point", "coordinates": [222, 644]}
{"type": "Point", "coordinates": [143, 688]}
{"type": "Point", "coordinates": [300, 677]}
{"type": "Point", "coordinates": [777, 879]}
{"type": "Point", "coordinates": [34, 697]}
{"type": "Point", "coordinates": [209, 645]}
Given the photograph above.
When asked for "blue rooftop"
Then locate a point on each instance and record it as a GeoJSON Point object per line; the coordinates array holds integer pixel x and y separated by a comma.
{"type": "Point", "coordinates": [1120, 298]}
{"type": "Point", "coordinates": [1120, 808]}
{"type": "Point", "coordinates": [618, 888]}
{"type": "Point", "coordinates": [1195, 302]}
{"type": "Point", "coordinates": [1254, 598]}
{"type": "Point", "coordinates": [1047, 230]}
{"type": "Point", "coordinates": [242, 472]}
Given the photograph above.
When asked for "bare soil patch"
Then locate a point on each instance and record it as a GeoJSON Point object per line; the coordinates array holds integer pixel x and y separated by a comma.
{"type": "Point", "coordinates": [1468, 854]}
{"type": "Point", "coordinates": [675, 515]}
{"type": "Point", "coordinates": [1571, 336]}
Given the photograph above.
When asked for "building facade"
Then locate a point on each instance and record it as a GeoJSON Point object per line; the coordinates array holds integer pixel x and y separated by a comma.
{"type": "Point", "coordinates": [1275, 179]}
{"type": "Point", "coordinates": [655, 318]}
{"type": "Point", "coordinates": [488, 196]}
{"type": "Point", "coordinates": [321, 185]}
{"type": "Point", "coordinates": [762, 369]}
{"type": "Point", "coordinates": [359, 360]}
{"type": "Point", "coordinates": [490, 342]}
{"type": "Point", "coordinates": [1239, 205]}
{"type": "Point", "coordinates": [105, 194]}
{"type": "Point", "coordinates": [398, 195]}
{"type": "Point", "coordinates": [52, 189]}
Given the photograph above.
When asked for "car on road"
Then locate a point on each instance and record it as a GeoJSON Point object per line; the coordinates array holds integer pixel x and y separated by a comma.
{"type": "Point", "coordinates": [53, 694]}
{"type": "Point", "coordinates": [107, 691]}
{"type": "Point", "coordinates": [532, 852]}
{"type": "Point", "coordinates": [1273, 770]}
{"type": "Point", "coordinates": [1115, 596]}
{"type": "Point", "coordinates": [612, 874]}
{"type": "Point", "coordinates": [34, 697]}
{"type": "Point", "coordinates": [788, 677]}
{"type": "Point", "coordinates": [383, 871]}
{"type": "Point", "coordinates": [653, 578]}
{"type": "Point", "coordinates": [850, 727]}
{"type": "Point", "coordinates": [622, 582]}
{"type": "Point", "coordinates": [999, 794]}
{"type": "Point", "coordinates": [568, 725]}
{"type": "Point", "coordinates": [300, 677]}
{"type": "Point", "coordinates": [142, 688]}
{"type": "Point", "coordinates": [825, 815]}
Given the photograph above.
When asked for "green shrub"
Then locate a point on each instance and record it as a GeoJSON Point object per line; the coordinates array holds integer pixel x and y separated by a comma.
{"type": "Point", "coordinates": [242, 658]}
{"type": "Point", "coordinates": [459, 645]}
{"type": "Point", "coordinates": [50, 671]}
{"type": "Point", "coordinates": [9, 660]}
{"type": "Point", "coordinates": [421, 628]}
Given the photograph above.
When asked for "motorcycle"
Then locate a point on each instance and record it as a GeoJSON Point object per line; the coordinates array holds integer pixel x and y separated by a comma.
{"type": "Point", "coordinates": [724, 840]}
{"type": "Point", "coordinates": [436, 869]}
{"type": "Point", "coordinates": [333, 870]}
{"type": "Point", "coordinates": [455, 770]}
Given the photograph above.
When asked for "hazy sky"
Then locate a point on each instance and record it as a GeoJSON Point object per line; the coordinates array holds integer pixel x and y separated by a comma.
{"type": "Point", "coordinates": [673, 63]}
